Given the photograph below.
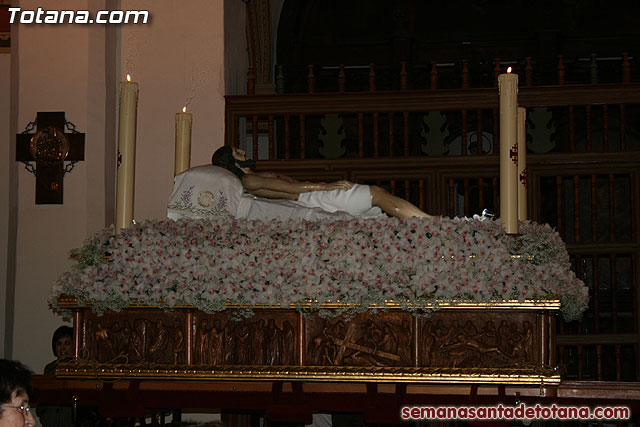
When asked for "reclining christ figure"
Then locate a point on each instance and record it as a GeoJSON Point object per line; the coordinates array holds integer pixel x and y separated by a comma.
{"type": "Point", "coordinates": [343, 196]}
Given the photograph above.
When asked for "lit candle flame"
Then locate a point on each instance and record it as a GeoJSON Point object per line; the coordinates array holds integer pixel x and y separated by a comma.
{"type": "Point", "coordinates": [184, 109]}
{"type": "Point", "coordinates": [509, 70]}
{"type": "Point", "coordinates": [128, 78]}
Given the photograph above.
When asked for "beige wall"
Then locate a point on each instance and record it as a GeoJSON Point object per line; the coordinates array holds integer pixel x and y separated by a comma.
{"type": "Point", "coordinates": [67, 77]}
{"type": "Point", "coordinates": [68, 68]}
{"type": "Point", "coordinates": [180, 54]}
{"type": "Point", "coordinates": [5, 165]}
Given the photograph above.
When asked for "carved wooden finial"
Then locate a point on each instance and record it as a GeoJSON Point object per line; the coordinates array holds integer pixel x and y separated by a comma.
{"type": "Point", "coordinates": [528, 72]}
{"type": "Point", "coordinates": [280, 81]}
{"type": "Point", "coordinates": [251, 81]}
{"type": "Point", "coordinates": [403, 75]}
{"type": "Point", "coordinates": [626, 68]}
{"type": "Point", "coordinates": [594, 69]}
{"type": "Point", "coordinates": [465, 74]}
{"type": "Point", "coordinates": [434, 76]}
{"type": "Point", "coordinates": [372, 78]}
{"type": "Point", "coordinates": [311, 79]}
{"type": "Point", "coordinates": [561, 70]}
{"type": "Point", "coordinates": [342, 80]}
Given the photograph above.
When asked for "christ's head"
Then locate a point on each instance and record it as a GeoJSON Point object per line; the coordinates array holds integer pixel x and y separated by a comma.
{"type": "Point", "coordinates": [232, 159]}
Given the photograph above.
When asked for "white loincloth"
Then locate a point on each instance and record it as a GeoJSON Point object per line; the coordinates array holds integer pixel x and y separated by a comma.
{"type": "Point", "coordinates": [252, 207]}
{"type": "Point", "coordinates": [356, 201]}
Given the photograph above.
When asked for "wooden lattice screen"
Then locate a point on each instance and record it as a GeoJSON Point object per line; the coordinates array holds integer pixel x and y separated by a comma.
{"type": "Point", "coordinates": [438, 149]}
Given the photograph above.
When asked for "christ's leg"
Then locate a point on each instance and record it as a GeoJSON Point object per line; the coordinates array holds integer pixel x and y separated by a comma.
{"type": "Point", "coordinates": [394, 206]}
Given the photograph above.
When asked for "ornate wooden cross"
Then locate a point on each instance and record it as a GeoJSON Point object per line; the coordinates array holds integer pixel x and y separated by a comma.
{"type": "Point", "coordinates": [49, 153]}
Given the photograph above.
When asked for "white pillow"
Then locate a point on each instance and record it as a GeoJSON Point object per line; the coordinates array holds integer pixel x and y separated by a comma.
{"type": "Point", "coordinates": [205, 192]}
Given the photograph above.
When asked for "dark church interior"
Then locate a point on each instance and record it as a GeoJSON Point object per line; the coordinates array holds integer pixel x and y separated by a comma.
{"type": "Point", "coordinates": [403, 95]}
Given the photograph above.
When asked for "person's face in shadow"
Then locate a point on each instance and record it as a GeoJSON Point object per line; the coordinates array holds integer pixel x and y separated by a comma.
{"type": "Point", "coordinates": [64, 348]}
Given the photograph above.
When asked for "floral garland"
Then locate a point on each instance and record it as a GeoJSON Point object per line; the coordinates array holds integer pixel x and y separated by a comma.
{"type": "Point", "coordinates": [209, 263]}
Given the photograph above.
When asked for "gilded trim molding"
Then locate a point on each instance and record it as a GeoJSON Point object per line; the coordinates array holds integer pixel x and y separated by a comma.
{"type": "Point", "coordinates": [522, 376]}
{"type": "Point", "coordinates": [70, 302]}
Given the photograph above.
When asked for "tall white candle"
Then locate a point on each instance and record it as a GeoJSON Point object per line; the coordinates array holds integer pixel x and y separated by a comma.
{"type": "Point", "coordinates": [128, 112]}
{"type": "Point", "coordinates": [522, 164]}
{"type": "Point", "coordinates": [508, 90]}
{"type": "Point", "coordinates": [183, 142]}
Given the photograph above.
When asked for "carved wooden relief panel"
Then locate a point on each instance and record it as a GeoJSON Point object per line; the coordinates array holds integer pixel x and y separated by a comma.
{"type": "Point", "coordinates": [385, 339]}
{"type": "Point", "coordinates": [463, 339]}
{"type": "Point", "coordinates": [134, 336]}
{"type": "Point", "coordinates": [266, 338]}
{"type": "Point", "coordinates": [445, 339]}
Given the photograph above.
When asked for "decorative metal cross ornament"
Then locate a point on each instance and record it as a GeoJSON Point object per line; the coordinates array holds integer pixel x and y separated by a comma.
{"type": "Point", "coordinates": [49, 147]}
{"type": "Point", "coordinates": [513, 154]}
{"type": "Point", "coordinates": [524, 178]}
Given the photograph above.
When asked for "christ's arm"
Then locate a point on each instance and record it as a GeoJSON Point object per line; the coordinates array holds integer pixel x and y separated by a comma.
{"type": "Point", "coordinates": [278, 187]}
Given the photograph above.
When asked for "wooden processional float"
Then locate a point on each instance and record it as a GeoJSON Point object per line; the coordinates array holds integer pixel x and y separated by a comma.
{"type": "Point", "coordinates": [507, 342]}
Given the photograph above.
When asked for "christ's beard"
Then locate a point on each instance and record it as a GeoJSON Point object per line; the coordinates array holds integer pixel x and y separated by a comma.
{"type": "Point", "coordinates": [246, 163]}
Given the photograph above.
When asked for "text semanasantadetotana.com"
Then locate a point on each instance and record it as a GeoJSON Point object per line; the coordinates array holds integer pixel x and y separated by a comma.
{"type": "Point", "coordinates": [42, 16]}
{"type": "Point", "coordinates": [500, 412]}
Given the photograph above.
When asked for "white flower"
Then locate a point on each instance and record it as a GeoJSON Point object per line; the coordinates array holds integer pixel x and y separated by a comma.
{"type": "Point", "coordinates": [207, 263]}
